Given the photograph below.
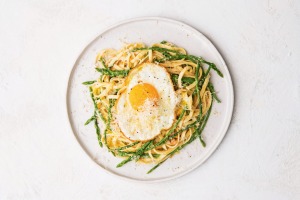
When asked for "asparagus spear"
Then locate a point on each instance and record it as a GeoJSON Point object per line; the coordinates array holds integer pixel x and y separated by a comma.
{"type": "Point", "coordinates": [98, 132]}
{"type": "Point", "coordinates": [185, 80]}
{"type": "Point", "coordinates": [96, 112]}
{"type": "Point", "coordinates": [212, 90]}
{"type": "Point", "coordinates": [137, 154]}
{"type": "Point", "coordinates": [160, 49]}
{"type": "Point", "coordinates": [89, 120]}
{"type": "Point", "coordinates": [113, 73]}
{"type": "Point", "coordinates": [127, 146]}
{"type": "Point", "coordinates": [111, 104]}
{"type": "Point", "coordinates": [145, 155]}
{"type": "Point", "coordinates": [88, 82]}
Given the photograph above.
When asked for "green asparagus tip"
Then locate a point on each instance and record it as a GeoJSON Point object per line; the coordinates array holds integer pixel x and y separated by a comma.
{"type": "Point", "coordinates": [152, 169]}
{"type": "Point", "coordinates": [88, 82]}
{"type": "Point", "coordinates": [202, 141]}
{"type": "Point", "coordinates": [89, 120]}
{"type": "Point", "coordinates": [216, 69]}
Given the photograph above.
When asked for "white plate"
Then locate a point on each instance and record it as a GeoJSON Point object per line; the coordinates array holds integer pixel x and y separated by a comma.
{"type": "Point", "coordinates": [148, 31]}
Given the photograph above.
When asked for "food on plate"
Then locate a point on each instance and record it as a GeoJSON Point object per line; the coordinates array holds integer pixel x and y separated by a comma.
{"type": "Point", "coordinates": [150, 102]}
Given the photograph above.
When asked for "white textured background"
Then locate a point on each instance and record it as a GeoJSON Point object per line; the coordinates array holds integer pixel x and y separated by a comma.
{"type": "Point", "coordinates": [260, 155]}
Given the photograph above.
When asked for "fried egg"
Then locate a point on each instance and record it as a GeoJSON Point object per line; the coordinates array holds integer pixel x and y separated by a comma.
{"type": "Point", "coordinates": [147, 106]}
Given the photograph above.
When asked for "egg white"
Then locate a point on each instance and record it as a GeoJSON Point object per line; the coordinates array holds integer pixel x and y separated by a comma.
{"type": "Point", "coordinates": [148, 123]}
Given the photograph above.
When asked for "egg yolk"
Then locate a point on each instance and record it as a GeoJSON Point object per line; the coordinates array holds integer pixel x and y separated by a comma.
{"type": "Point", "coordinates": [140, 93]}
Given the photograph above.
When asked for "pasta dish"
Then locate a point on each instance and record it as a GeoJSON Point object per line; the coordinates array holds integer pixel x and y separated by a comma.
{"type": "Point", "coordinates": [150, 101]}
